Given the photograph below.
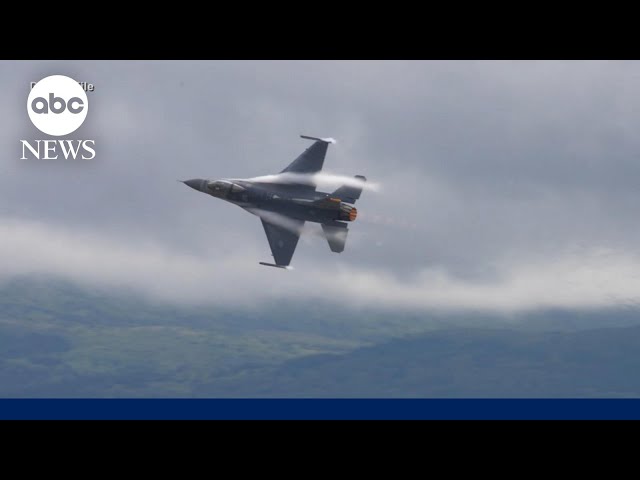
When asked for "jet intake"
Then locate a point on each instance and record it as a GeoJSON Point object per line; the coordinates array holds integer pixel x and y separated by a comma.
{"type": "Point", "coordinates": [348, 213]}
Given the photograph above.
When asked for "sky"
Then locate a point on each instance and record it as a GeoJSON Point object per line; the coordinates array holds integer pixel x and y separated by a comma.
{"type": "Point", "coordinates": [503, 185]}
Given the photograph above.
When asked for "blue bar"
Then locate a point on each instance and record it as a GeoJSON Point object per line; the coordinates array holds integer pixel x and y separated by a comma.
{"type": "Point", "coordinates": [319, 409]}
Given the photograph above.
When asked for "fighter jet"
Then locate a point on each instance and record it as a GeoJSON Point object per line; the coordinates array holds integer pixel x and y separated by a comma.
{"type": "Point", "coordinates": [285, 201]}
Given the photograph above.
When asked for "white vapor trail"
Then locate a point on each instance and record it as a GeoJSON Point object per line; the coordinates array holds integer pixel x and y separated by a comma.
{"type": "Point", "coordinates": [589, 278]}
{"type": "Point", "coordinates": [321, 179]}
{"type": "Point", "coordinates": [291, 225]}
{"type": "Point", "coordinates": [277, 219]}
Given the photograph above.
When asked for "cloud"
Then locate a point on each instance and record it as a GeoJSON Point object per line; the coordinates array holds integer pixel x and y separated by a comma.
{"type": "Point", "coordinates": [578, 279]}
{"type": "Point", "coordinates": [493, 175]}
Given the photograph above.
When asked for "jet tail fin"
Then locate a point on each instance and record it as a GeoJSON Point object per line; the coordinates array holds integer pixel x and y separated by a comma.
{"type": "Point", "coordinates": [336, 235]}
{"type": "Point", "coordinates": [350, 193]}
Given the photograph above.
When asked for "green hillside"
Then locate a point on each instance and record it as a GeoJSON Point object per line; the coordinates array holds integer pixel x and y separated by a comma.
{"type": "Point", "coordinates": [463, 363]}
{"type": "Point", "coordinates": [59, 340]}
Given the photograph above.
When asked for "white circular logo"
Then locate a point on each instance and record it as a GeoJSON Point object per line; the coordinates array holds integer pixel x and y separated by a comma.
{"type": "Point", "coordinates": [57, 105]}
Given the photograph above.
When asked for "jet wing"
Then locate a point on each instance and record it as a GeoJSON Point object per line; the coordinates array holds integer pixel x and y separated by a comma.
{"type": "Point", "coordinates": [283, 241]}
{"type": "Point", "coordinates": [312, 159]}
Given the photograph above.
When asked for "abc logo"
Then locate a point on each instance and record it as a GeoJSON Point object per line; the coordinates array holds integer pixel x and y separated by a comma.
{"type": "Point", "coordinates": [57, 105]}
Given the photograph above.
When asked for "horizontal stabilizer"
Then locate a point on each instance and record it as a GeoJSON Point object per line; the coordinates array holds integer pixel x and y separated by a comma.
{"type": "Point", "coordinates": [336, 234]}
{"type": "Point", "coordinates": [350, 193]}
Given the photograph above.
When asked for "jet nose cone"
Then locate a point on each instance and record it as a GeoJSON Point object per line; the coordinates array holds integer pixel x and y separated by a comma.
{"type": "Point", "coordinates": [195, 183]}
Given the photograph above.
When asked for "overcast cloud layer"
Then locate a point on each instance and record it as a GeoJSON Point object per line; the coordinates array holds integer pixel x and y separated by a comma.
{"type": "Point", "coordinates": [501, 185]}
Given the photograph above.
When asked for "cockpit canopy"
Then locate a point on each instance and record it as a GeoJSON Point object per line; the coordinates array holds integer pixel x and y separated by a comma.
{"type": "Point", "coordinates": [222, 188]}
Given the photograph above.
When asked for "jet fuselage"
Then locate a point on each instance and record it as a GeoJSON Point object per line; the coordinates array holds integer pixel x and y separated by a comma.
{"type": "Point", "coordinates": [294, 201]}
{"type": "Point", "coordinates": [284, 202]}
